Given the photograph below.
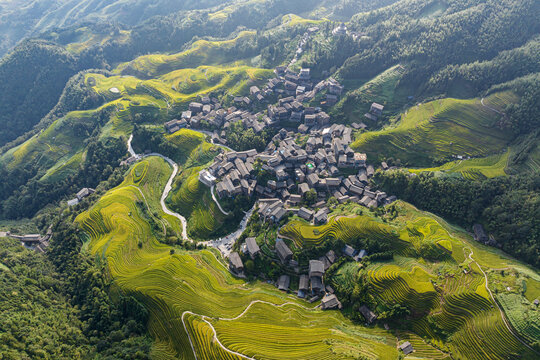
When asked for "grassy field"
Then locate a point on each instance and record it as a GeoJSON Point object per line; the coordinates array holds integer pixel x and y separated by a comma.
{"type": "Point", "coordinates": [170, 285]}
{"type": "Point", "coordinates": [433, 276]}
{"type": "Point", "coordinates": [433, 132]}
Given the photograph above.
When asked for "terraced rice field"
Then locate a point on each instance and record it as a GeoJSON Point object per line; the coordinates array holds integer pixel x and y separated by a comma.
{"type": "Point", "coordinates": [403, 288]}
{"type": "Point", "coordinates": [436, 131]}
{"type": "Point", "coordinates": [193, 200]}
{"type": "Point", "coordinates": [202, 52]}
{"type": "Point", "coordinates": [344, 228]}
{"type": "Point", "coordinates": [58, 150]}
{"type": "Point", "coordinates": [450, 293]}
{"type": "Point", "coordinates": [169, 285]}
{"type": "Point", "coordinates": [484, 336]}
{"type": "Point", "coordinates": [58, 143]}
{"type": "Point", "coordinates": [85, 38]}
{"type": "Point", "coordinates": [189, 197]}
{"type": "Point", "coordinates": [422, 350]}
{"type": "Point", "coordinates": [428, 237]}
{"type": "Point", "coordinates": [293, 329]}
{"type": "Point", "coordinates": [474, 169]}
{"type": "Point", "coordinates": [179, 87]}
{"type": "Point", "coordinates": [193, 149]}
{"type": "Point", "coordinates": [382, 89]}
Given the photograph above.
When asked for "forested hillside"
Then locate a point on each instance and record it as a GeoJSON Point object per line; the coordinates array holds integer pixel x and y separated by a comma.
{"type": "Point", "coordinates": [464, 32]}
{"type": "Point", "coordinates": [61, 309]}
{"type": "Point", "coordinates": [31, 80]}
{"type": "Point", "coordinates": [22, 18]}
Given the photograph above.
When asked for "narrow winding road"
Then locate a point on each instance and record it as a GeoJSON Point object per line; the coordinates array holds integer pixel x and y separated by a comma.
{"type": "Point", "coordinates": [223, 244]}
{"type": "Point", "coordinates": [500, 309]}
{"type": "Point", "coordinates": [217, 202]}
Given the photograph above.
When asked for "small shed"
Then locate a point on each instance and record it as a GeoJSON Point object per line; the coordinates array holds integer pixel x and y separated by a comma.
{"type": "Point", "coordinates": [252, 247]}
{"type": "Point", "coordinates": [406, 347]}
{"type": "Point", "coordinates": [367, 314]}
{"type": "Point", "coordinates": [349, 250]}
{"type": "Point", "coordinates": [330, 302]}
{"type": "Point", "coordinates": [283, 282]}
{"type": "Point", "coordinates": [236, 263]}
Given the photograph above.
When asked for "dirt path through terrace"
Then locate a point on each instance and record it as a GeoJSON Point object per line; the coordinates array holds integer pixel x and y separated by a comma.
{"type": "Point", "coordinates": [500, 309]}
{"type": "Point", "coordinates": [207, 318]}
{"type": "Point", "coordinates": [490, 108]}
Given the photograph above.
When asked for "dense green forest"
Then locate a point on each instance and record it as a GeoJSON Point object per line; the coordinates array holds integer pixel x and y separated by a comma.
{"type": "Point", "coordinates": [61, 308]}
{"type": "Point", "coordinates": [467, 31]}
{"type": "Point", "coordinates": [31, 79]}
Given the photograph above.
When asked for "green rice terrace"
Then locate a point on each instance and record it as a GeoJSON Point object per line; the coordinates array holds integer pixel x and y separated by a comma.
{"type": "Point", "coordinates": [189, 197]}
{"type": "Point", "coordinates": [270, 180]}
{"type": "Point", "coordinates": [194, 201]}
{"type": "Point", "coordinates": [193, 300]}
{"type": "Point", "coordinates": [201, 52]}
{"type": "Point", "coordinates": [436, 131]}
{"type": "Point", "coordinates": [58, 150]}
{"type": "Point", "coordinates": [199, 310]}
{"type": "Point", "coordinates": [474, 169]}
{"type": "Point", "coordinates": [438, 273]}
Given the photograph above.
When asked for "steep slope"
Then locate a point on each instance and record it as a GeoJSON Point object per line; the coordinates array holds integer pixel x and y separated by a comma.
{"type": "Point", "coordinates": [22, 18]}
{"type": "Point", "coordinates": [183, 288]}
{"type": "Point", "coordinates": [32, 78]}
{"type": "Point", "coordinates": [438, 273]}
{"type": "Point", "coordinates": [436, 131]}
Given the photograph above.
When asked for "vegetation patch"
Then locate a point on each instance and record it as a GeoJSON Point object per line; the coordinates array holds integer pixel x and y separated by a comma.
{"type": "Point", "coordinates": [437, 131]}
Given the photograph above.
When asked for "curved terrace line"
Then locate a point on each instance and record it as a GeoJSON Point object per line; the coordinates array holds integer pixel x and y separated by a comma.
{"type": "Point", "coordinates": [500, 309]}
{"type": "Point", "coordinates": [204, 318]}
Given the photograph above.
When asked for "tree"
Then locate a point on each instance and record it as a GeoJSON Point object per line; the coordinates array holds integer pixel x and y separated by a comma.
{"type": "Point", "coordinates": [310, 197]}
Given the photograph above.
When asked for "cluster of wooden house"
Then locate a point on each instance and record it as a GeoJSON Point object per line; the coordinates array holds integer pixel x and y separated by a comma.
{"type": "Point", "coordinates": [34, 241]}
{"type": "Point", "coordinates": [294, 89]}
{"type": "Point", "coordinates": [296, 170]}
{"type": "Point", "coordinates": [375, 112]}
{"type": "Point", "coordinates": [311, 284]}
